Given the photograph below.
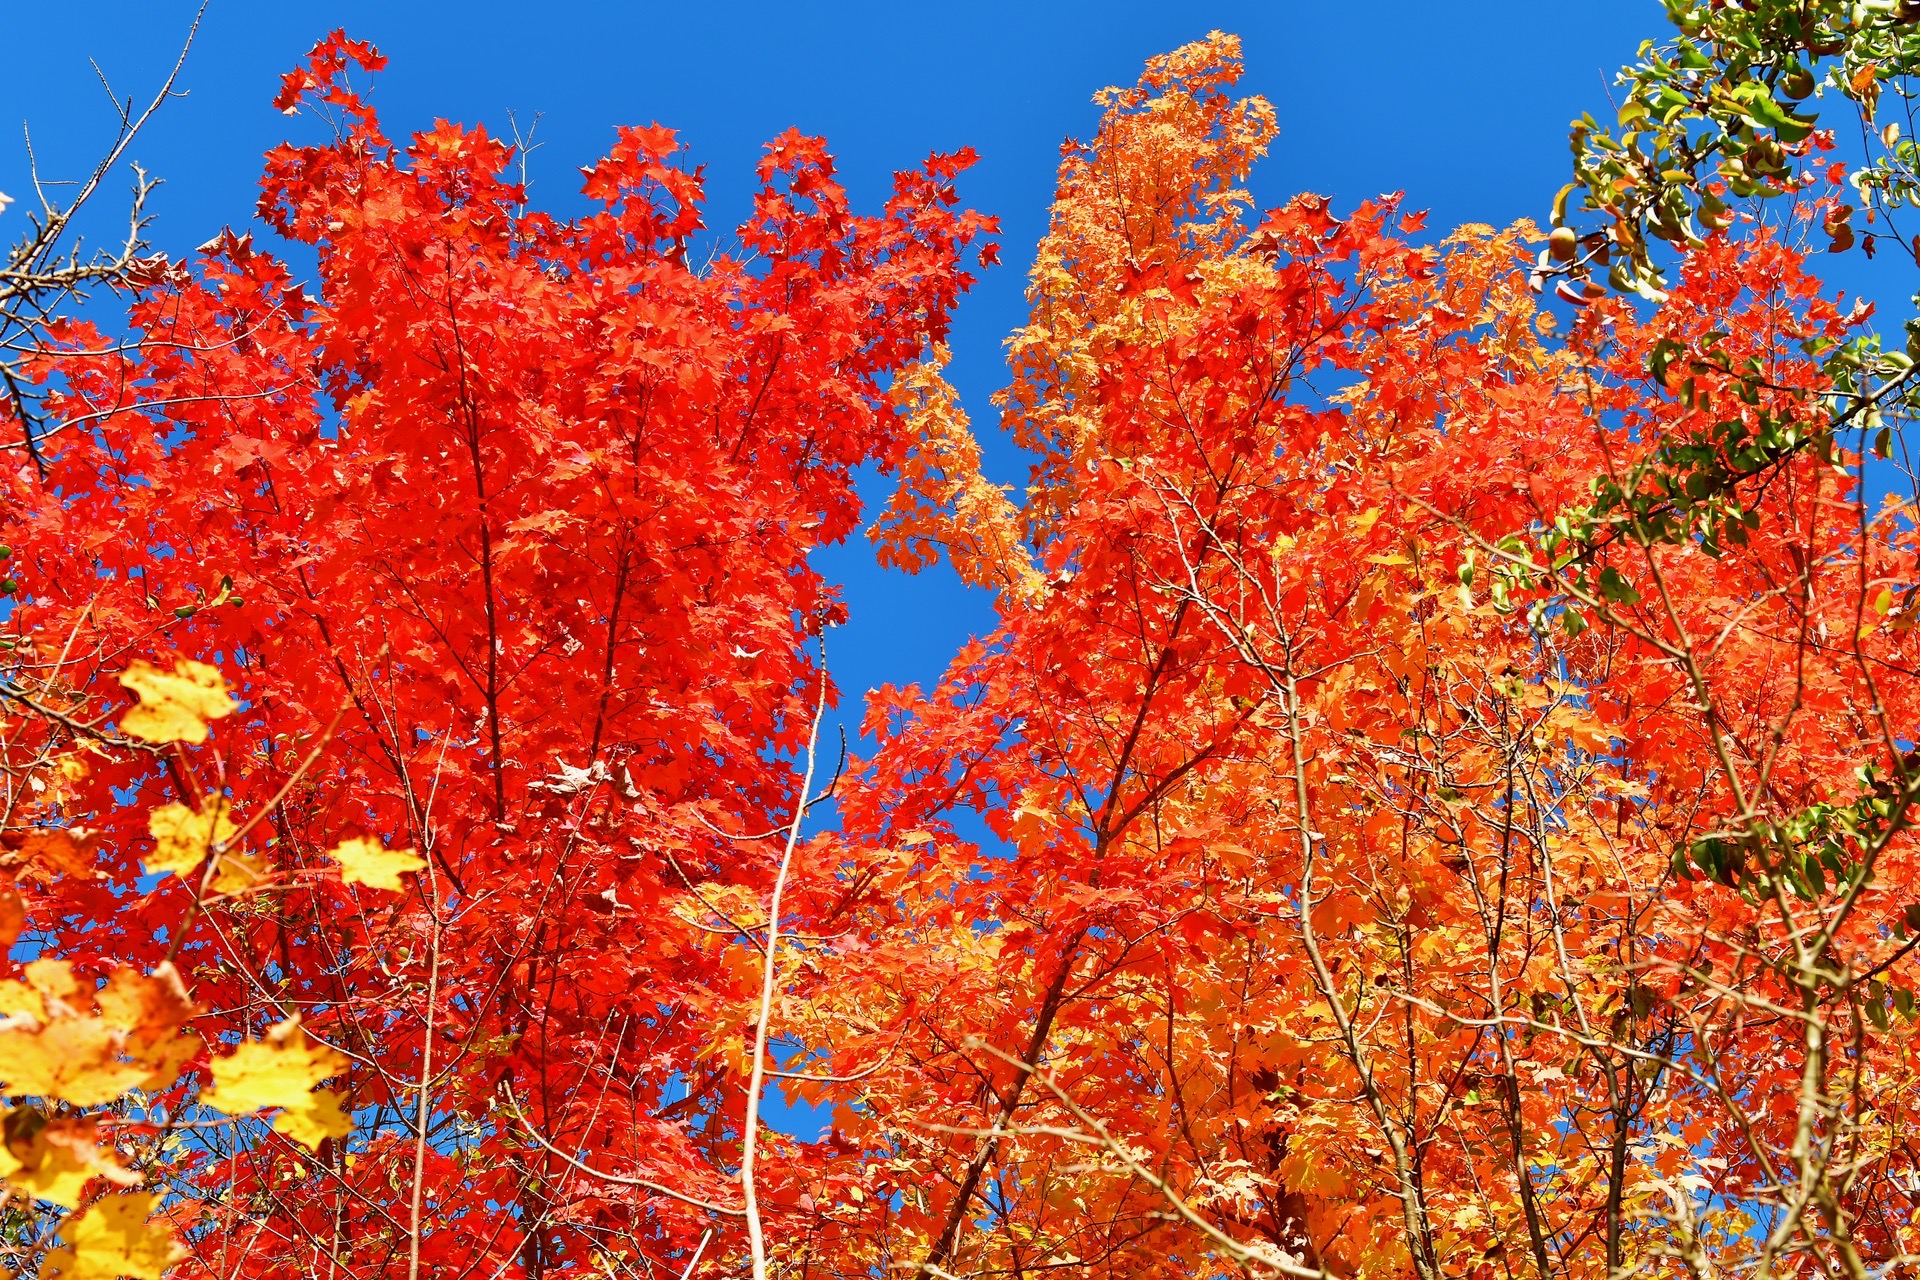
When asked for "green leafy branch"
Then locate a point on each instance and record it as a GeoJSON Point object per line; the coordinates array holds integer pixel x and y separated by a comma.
{"type": "Point", "coordinates": [1724, 110]}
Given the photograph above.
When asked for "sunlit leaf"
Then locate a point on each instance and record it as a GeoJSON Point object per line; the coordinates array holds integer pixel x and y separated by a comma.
{"type": "Point", "coordinates": [117, 1236]}
{"type": "Point", "coordinates": [363, 860]}
{"type": "Point", "coordinates": [175, 706]}
{"type": "Point", "coordinates": [183, 838]}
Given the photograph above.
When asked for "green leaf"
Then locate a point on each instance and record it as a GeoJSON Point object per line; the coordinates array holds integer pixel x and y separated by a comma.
{"type": "Point", "coordinates": [1617, 589]}
{"type": "Point", "coordinates": [1663, 353]}
{"type": "Point", "coordinates": [1560, 203]}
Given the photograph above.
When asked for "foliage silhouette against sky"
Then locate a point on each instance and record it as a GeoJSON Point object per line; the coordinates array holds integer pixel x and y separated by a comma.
{"type": "Point", "coordinates": [1462, 105]}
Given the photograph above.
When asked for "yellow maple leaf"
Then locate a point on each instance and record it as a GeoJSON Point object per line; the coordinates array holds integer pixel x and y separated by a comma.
{"type": "Point", "coordinates": [76, 1059]}
{"type": "Point", "coordinates": [115, 1237]}
{"type": "Point", "coordinates": [237, 874]}
{"type": "Point", "coordinates": [149, 1004]}
{"type": "Point", "coordinates": [17, 997]}
{"type": "Point", "coordinates": [183, 838]}
{"type": "Point", "coordinates": [279, 1071]}
{"type": "Point", "coordinates": [57, 1178]}
{"type": "Point", "coordinates": [55, 1044]}
{"type": "Point", "coordinates": [62, 1157]}
{"type": "Point", "coordinates": [52, 978]}
{"type": "Point", "coordinates": [318, 1116]}
{"type": "Point", "coordinates": [175, 707]}
{"type": "Point", "coordinates": [47, 980]}
{"type": "Point", "coordinates": [363, 861]}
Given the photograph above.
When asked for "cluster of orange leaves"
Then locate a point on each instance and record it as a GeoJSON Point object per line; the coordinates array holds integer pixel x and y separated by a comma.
{"type": "Point", "coordinates": [407, 920]}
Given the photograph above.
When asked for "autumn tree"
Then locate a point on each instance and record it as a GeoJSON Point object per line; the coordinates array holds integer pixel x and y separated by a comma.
{"type": "Point", "coordinates": [467, 601]}
{"type": "Point", "coordinates": [1456, 779]}
{"type": "Point", "coordinates": [1445, 760]}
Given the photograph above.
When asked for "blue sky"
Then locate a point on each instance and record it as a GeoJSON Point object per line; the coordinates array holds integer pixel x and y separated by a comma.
{"type": "Point", "coordinates": [1462, 104]}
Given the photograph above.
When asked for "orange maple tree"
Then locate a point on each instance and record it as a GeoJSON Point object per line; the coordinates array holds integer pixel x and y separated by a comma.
{"type": "Point", "coordinates": [1447, 779]}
